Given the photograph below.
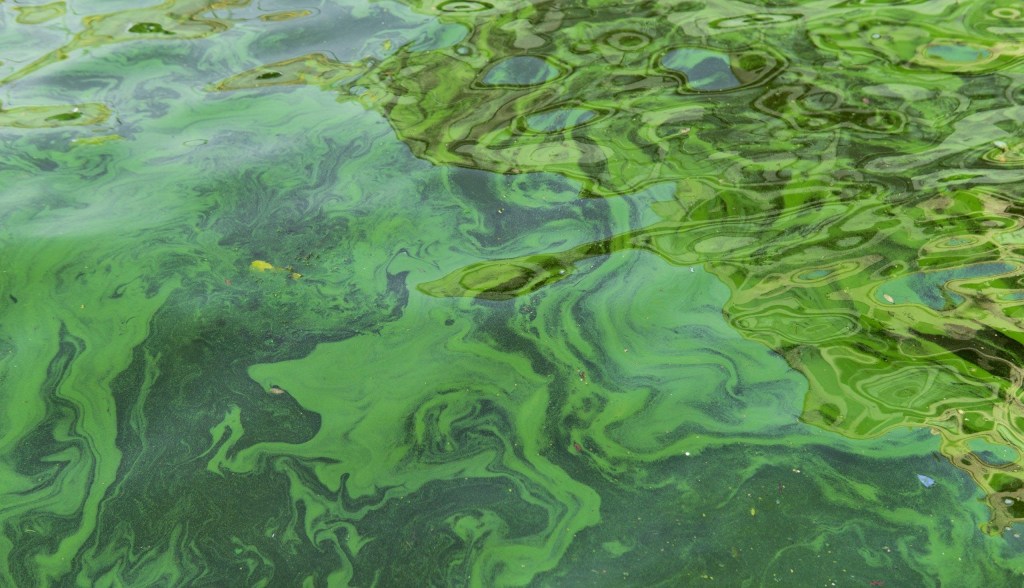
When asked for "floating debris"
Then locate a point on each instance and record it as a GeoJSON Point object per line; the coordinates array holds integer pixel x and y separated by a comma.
{"type": "Point", "coordinates": [262, 266]}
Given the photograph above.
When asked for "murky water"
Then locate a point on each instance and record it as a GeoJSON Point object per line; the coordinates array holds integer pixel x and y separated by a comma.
{"type": "Point", "coordinates": [512, 293]}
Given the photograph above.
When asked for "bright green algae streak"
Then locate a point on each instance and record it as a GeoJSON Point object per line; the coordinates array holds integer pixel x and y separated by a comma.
{"type": "Point", "coordinates": [593, 294]}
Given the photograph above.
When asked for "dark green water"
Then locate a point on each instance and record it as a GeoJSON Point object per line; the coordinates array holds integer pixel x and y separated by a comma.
{"type": "Point", "coordinates": [513, 293]}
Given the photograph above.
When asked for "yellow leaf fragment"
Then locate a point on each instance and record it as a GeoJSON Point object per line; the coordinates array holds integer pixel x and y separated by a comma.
{"type": "Point", "coordinates": [96, 140]}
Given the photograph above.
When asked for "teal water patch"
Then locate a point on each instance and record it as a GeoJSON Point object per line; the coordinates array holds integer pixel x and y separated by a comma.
{"type": "Point", "coordinates": [704, 69]}
{"type": "Point", "coordinates": [815, 275]}
{"type": "Point", "coordinates": [930, 288]}
{"type": "Point", "coordinates": [440, 37]}
{"type": "Point", "coordinates": [560, 119]}
{"type": "Point", "coordinates": [523, 70]}
{"type": "Point", "coordinates": [957, 53]}
{"type": "Point", "coordinates": [993, 454]}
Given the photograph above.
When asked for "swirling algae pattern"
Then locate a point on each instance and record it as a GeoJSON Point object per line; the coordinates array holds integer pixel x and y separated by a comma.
{"type": "Point", "coordinates": [562, 293]}
{"type": "Point", "coordinates": [892, 281]}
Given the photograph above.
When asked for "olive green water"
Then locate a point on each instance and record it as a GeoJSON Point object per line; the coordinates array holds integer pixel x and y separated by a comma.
{"type": "Point", "coordinates": [555, 294]}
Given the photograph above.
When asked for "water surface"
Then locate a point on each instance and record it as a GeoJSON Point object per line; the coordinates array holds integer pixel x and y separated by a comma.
{"type": "Point", "coordinates": [561, 294]}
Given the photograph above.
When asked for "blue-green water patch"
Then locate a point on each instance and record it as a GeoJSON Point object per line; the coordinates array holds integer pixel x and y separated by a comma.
{"type": "Point", "coordinates": [958, 53]}
{"type": "Point", "coordinates": [704, 69]}
{"type": "Point", "coordinates": [929, 288]}
{"type": "Point", "coordinates": [993, 454]}
{"type": "Point", "coordinates": [521, 70]}
{"type": "Point", "coordinates": [559, 119]}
